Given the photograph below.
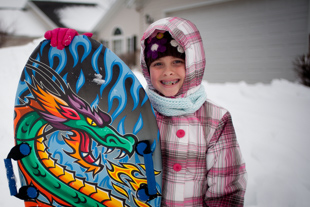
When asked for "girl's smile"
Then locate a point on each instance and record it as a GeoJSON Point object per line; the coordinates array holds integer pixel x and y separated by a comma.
{"type": "Point", "coordinates": [167, 83]}
{"type": "Point", "coordinates": [167, 75]}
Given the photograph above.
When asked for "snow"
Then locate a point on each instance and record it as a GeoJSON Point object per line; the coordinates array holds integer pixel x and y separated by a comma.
{"type": "Point", "coordinates": [270, 122]}
{"type": "Point", "coordinates": [13, 4]}
{"type": "Point", "coordinates": [21, 23]}
{"type": "Point", "coordinates": [71, 16]}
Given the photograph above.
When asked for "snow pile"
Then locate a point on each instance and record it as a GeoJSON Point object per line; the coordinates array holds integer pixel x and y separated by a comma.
{"type": "Point", "coordinates": [272, 129]}
{"type": "Point", "coordinates": [270, 121]}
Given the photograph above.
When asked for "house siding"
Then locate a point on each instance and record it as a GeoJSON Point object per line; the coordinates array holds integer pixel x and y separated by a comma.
{"type": "Point", "coordinates": [127, 21]}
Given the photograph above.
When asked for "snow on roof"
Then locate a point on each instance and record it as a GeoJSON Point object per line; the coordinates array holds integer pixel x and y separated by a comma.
{"type": "Point", "coordinates": [81, 18]}
{"type": "Point", "coordinates": [21, 23]}
{"type": "Point", "coordinates": [84, 18]}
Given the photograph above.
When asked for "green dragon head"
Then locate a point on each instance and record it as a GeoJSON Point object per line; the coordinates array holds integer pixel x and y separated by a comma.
{"type": "Point", "coordinates": [66, 111]}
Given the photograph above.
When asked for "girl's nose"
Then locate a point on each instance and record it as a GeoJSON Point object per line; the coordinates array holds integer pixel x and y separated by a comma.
{"type": "Point", "coordinates": [168, 71]}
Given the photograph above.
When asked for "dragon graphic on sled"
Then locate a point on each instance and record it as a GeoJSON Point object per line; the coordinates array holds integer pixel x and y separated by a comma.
{"type": "Point", "coordinates": [75, 172]}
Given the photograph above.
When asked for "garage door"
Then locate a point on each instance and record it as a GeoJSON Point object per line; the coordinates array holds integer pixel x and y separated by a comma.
{"type": "Point", "coordinates": [251, 40]}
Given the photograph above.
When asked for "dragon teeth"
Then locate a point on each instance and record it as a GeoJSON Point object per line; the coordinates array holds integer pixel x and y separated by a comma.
{"type": "Point", "coordinates": [109, 150]}
{"type": "Point", "coordinates": [123, 154]}
{"type": "Point", "coordinates": [98, 161]}
{"type": "Point", "coordinates": [84, 154]}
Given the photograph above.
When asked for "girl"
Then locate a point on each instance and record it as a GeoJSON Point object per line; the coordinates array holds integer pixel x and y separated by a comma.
{"type": "Point", "coordinates": [202, 161]}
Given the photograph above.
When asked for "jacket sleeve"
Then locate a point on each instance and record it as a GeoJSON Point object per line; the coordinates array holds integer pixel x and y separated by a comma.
{"type": "Point", "coordinates": [226, 173]}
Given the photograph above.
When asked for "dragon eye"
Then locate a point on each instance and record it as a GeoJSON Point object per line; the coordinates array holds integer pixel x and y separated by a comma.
{"type": "Point", "coordinates": [90, 121]}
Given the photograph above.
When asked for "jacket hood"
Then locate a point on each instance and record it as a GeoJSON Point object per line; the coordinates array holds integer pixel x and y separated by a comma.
{"type": "Point", "coordinates": [188, 36]}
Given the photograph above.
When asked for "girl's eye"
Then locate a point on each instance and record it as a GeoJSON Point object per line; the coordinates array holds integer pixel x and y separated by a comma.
{"type": "Point", "coordinates": [91, 122]}
{"type": "Point", "coordinates": [157, 64]}
{"type": "Point", "coordinates": [179, 62]}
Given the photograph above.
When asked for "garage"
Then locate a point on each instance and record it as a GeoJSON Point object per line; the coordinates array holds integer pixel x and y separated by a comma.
{"type": "Point", "coordinates": [250, 40]}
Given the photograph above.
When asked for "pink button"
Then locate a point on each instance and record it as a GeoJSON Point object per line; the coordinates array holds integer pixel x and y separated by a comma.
{"type": "Point", "coordinates": [180, 133]}
{"type": "Point", "coordinates": [177, 167]}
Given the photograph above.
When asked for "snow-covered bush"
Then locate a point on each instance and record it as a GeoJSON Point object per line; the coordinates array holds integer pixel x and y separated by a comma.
{"type": "Point", "coordinates": [302, 68]}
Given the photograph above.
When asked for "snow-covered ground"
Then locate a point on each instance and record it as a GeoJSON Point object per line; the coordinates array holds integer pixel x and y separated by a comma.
{"type": "Point", "coordinates": [270, 121]}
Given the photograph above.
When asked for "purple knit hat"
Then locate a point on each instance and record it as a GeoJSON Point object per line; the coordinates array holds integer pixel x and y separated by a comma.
{"type": "Point", "coordinates": [161, 44]}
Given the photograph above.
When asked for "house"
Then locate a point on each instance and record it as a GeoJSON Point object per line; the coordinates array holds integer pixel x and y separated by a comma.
{"type": "Point", "coordinates": [244, 40]}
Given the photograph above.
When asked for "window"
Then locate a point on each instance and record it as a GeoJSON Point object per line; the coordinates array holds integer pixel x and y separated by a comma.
{"type": "Point", "coordinates": [117, 46]}
{"type": "Point", "coordinates": [117, 41]}
{"type": "Point", "coordinates": [131, 44]}
{"type": "Point", "coordinates": [117, 31]}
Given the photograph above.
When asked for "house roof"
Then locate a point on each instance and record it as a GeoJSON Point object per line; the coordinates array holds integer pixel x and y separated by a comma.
{"type": "Point", "coordinates": [82, 15]}
{"type": "Point", "coordinates": [18, 19]}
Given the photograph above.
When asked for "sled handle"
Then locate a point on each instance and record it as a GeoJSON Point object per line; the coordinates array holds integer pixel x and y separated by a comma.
{"type": "Point", "coordinates": [148, 192]}
{"type": "Point", "coordinates": [26, 192]}
{"type": "Point", "coordinates": [10, 176]}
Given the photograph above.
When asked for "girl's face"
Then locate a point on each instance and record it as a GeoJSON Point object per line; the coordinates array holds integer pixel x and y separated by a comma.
{"type": "Point", "coordinates": [167, 75]}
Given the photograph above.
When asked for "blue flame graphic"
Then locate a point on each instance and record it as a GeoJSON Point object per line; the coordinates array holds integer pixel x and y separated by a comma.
{"type": "Point", "coordinates": [62, 56]}
{"type": "Point", "coordinates": [77, 41]}
{"type": "Point", "coordinates": [145, 99]}
{"type": "Point", "coordinates": [65, 77]}
{"type": "Point", "coordinates": [139, 125]}
{"type": "Point", "coordinates": [153, 146]}
{"type": "Point", "coordinates": [108, 63]}
{"type": "Point", "coordinates": [135, 90]}
{"type": "Point", "coordinates": [121, 126]}
{"type": "Point", "coordinates": [94, 61]}
{"type": "Point", "coordinates": [80, 82]}
{"type": "Point", "coordinates": [35, 64]}
{"type": "Point", "coordinates": [118, 91]}
{"type": "Point", "coordinates": [43, 45]}
{"type": "Point", "coordinates": [22, 87]}
{"type": "Point", "coordinates": [94, 104]}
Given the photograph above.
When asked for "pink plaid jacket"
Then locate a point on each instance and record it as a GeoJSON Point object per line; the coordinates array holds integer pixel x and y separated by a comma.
{"type": "Point", "coordinates": [202, 161]}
